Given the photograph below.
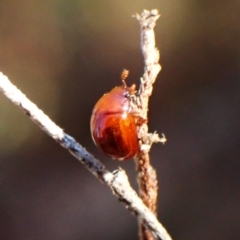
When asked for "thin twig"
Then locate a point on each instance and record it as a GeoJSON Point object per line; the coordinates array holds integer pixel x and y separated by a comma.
{"type": "Point", "coordinates": [147, 177]}
{"type": "Point", "coordinates": [117, 181]}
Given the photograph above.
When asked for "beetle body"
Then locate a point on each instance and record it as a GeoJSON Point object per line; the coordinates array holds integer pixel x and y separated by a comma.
{"type": "Point", "coordinates": [113, 125]}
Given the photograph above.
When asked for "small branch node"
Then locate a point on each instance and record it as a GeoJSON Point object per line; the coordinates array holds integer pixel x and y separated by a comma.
{"type": "Point", "coordinates": [163, 139]}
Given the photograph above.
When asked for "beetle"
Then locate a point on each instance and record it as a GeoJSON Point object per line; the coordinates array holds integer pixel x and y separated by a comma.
{"type": "Point", "coordinates": [114, 125]}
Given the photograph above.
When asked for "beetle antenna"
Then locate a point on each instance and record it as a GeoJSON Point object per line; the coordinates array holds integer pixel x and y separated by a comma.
{"type": "Point", "coordinates": [124, 75]}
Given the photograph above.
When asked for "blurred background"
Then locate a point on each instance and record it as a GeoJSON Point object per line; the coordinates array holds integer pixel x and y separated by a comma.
{"type": "Point", "coordinates": [64, 55]}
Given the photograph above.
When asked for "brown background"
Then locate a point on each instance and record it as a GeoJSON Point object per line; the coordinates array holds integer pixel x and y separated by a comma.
{"type": "Point", "coordinates": [64, 55]}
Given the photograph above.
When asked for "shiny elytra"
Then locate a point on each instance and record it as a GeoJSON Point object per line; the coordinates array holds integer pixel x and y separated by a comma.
{"type": "Point", "coordinates": [113, 124]}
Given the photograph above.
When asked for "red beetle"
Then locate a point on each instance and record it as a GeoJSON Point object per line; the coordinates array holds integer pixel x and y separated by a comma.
{"type": "Point", "coordinates": [114, 124]}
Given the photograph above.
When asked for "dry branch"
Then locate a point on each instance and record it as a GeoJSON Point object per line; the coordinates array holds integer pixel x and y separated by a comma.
{"type": "Point", "coordinates": [147, 176]}
{"type": "Point", "coordinates": [117, 180]}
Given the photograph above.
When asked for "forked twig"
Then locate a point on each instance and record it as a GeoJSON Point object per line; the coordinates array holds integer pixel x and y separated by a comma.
{"type": "Point", "coordinates": [117, 180]}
